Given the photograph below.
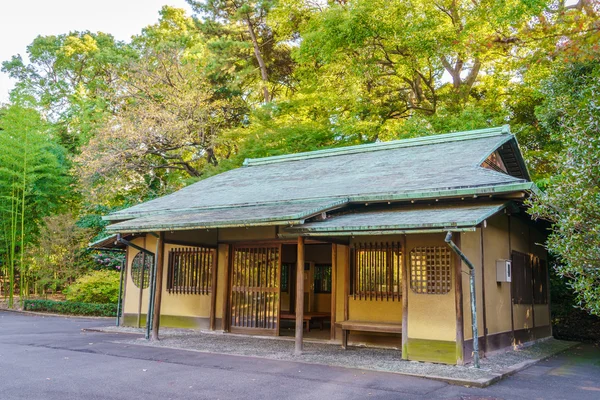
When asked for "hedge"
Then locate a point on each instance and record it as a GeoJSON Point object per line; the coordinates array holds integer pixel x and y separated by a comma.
{"type": "Point", "coordinates": [71, 307]}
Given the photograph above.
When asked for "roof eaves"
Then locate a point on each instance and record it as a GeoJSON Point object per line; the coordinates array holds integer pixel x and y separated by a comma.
{"type": "Point", "coordinates": [333, 203]}
{"type": "Point", "coordinates": [419, 141]}
{"type": "Point", "coordinates": [445, 225]}
{"type": "Point", "coordinates": [189, 226]}
{"type": "Point", "coordinates": [378, 232]}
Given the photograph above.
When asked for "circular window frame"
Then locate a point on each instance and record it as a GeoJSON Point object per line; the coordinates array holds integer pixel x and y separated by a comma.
{"type": "Point", "coordinates": [137, 264]}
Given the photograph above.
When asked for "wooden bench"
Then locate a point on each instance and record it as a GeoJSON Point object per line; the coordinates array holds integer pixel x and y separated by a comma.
{"type": "Point", "coordinates": [366, 326]}
{"type": "Point", "coordinates": [308, 316]}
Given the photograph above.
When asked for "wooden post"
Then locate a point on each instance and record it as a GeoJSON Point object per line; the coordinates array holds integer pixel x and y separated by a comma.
{"type": "Point", "coordinates": [405, 282]}
{"type": "Point", "coordinates": [213, 289]}
{"type": "Point", "coordinates": [458, 299]}
{"type": "Point", "coordinates": [160, 257]}
{"type": "Point", "coordinates": [226, 288]}
{"type": "Point", "coordinates": [333, 288]}
{"type": "Point", "coordinates": [299, 296]}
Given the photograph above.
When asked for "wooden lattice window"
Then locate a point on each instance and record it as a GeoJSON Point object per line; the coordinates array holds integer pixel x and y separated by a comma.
{"type": "Point", "coordinates": [285, 276]}
{"type": "Point", "coordinates": [190, 269]}
{"type": "Point", "coordinates": [377, 271]}
{"type": "Point", "coordinates": [430, 270]}
{"type": "Point", "coordinates": [140, 269]}
{"type": "Point", "coordinates": [322, 278]}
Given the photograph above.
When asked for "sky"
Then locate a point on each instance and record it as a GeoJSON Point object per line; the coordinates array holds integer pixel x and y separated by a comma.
{"type": "Point", "coordinates": [22, 20]}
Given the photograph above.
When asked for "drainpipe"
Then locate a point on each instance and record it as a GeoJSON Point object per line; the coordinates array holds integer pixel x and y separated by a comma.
{"type": "Point", "coordinates": [150, 287]}
{"type": "Point", "coordinates": [455, 248]}
{"type": "Point", "coordinates": [119, 303]}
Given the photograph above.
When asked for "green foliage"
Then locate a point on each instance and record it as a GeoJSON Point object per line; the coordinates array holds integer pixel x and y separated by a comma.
{"type": "Point", "coordinates": [571, 114]}
{"type": "Point", "coordinates": [59, 255]}
{"type": "Point", "coordinates": [97, 287]}
{"type": "Point", "coordinates": [33, 184]}
{"type": "Point", "coordinates": [70, 307]}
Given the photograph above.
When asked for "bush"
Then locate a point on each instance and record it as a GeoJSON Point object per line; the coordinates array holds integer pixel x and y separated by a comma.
{"type": "Point", "coordinates": [97, 287]}
{"type": "Point", "coordinates": [71, 307]}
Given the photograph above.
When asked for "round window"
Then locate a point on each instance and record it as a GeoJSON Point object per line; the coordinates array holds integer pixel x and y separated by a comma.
{"type": "Point", "coordinates": [140, 269]}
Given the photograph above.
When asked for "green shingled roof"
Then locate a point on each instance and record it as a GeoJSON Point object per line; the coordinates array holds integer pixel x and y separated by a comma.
{"type": "Point", "coordinates": [280, 214]}
{"type": "Point", "coordinates": [429, 167]}
{"type": "Point", "coordinates": [407, 218]}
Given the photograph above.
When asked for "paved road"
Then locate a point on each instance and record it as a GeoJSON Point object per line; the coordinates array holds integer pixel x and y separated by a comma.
{"type": "Point", "coordinates": [51, 358]}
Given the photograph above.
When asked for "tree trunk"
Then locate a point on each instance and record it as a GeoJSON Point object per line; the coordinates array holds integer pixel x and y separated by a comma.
{"type": "Point", "coordinates": [261, 62]}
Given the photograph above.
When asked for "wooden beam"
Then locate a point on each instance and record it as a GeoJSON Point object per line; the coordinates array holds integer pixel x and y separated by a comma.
{"type": "Point", "coordinates": [160, 257]}
{"type": "Point", "coordinates": [299, 296]}
{"type": "Point", "coordinates": [213, 290]}
{"type": "Point", "coordinates": [333, 288]}
{"type": "Point", "coordinates": [405, 282]}
{"type": "Point", "coordinates": [226, 288]}
{"type": "Point", "coordinates": [458, 303]}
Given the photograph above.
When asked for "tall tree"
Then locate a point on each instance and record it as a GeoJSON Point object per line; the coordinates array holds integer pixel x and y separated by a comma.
{"type": "Point", "coordinates": [243, 42]}
{"type": "Point", "coordinates": [168, 114]}
{"type": "Point", "coordinates": [571, 113]}
{"type": "Point", "coordinates": [69, 78]}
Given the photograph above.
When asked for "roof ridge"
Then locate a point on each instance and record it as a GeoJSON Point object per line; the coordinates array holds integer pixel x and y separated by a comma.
{"type": "Point", "coordinates": [393, 144]}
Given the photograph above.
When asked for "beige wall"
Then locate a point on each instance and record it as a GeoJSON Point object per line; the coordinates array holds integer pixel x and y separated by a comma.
{"type": "Point", "coordinates": [524, 238]}
{"type": "Point", "coordinates": [430, 316]}
{"type": "Point", "coordinates": [246, 234]}
{"type": "Point", "coordinates": [184, 305]}
{"type": "Point", "coordinates": [497, 295]}
{"type": "Point", "coordinates": [470, 244]}
{"type": "Point", "coordinates": [132, 293]}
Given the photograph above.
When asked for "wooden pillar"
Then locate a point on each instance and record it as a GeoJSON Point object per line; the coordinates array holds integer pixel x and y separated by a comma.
{"type": "Point", "coordinates": [458, 299]}
{"type": "Point", "coordinates": [405, 282]}
{"type": "Point", "coordinates": [226, 287]}
{"type": "Point", "coordinates": [213, 290]}
{"type": "Point", "coordinates": [333, 289]}
{"type": "Point", "coordinates": [299, 296]}
{"type": "Point", "coordinates": [160, 257]}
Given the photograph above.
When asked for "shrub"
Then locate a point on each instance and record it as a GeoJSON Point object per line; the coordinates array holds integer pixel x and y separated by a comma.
{"type": "Point", "coordinates": [71, 307]}
{"type": "Point", "coordinates": [97, 287]}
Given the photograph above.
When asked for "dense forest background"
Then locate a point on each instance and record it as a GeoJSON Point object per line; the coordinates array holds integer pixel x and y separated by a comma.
{"type": "Point", "coordinates": [94, 124]}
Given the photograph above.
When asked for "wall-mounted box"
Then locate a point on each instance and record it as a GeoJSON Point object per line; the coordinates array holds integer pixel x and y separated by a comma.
{"type": "Point", "coordinates": [503, 270]}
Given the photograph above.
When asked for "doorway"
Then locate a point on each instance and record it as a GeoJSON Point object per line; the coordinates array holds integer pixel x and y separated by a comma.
{"type": "Point", "coordinates": [317, 291]}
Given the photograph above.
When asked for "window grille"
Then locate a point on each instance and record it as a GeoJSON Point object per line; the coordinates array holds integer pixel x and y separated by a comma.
{"type": "Point", "coordinates": [322, 279]}
{"type": "Point", "coordinates": [140, 269]}
{"type": "Point", "coordinates": [430, 270]}
{"type": "Point", "coordinates": [190, 269]}
{"type": "Point", "coordinates": [377, 271]}
{"type": "Point", "coordinates": [285, 276]}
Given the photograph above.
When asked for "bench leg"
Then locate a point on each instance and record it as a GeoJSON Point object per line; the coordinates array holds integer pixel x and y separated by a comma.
{"type": "Point", "coordinates": [344, 339]}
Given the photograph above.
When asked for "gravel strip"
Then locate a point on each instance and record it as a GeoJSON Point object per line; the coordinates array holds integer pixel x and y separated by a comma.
{"type": "Point", "coordinates": [387, 360]}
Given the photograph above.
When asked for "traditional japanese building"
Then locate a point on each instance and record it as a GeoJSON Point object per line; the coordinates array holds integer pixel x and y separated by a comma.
{"type": "Point", "coordinates": [348, 245]}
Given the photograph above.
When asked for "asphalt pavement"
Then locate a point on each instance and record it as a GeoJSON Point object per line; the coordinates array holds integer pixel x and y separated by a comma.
{"type": "Point", "coordinates": [43, 357]}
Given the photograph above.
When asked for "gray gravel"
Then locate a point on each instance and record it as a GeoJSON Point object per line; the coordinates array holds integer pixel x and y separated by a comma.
{"type": "Point", "coordinates": [387, 360]}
